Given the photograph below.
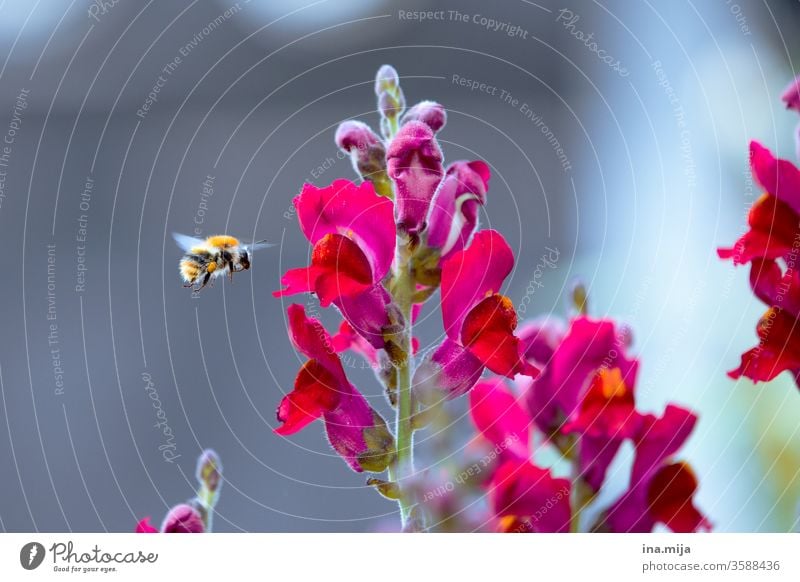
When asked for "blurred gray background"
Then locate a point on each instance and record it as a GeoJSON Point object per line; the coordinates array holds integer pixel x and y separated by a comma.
{"type": "Point", "coordinates": [653, 178]}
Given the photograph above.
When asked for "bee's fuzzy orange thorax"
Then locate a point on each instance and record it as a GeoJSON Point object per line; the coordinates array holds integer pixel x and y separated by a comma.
{"type": "Point", "coordinates": [223, 240]}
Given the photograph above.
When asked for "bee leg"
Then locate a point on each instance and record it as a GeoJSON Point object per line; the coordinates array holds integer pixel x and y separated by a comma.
{"type": "Point", "coordinates": [205, 281]}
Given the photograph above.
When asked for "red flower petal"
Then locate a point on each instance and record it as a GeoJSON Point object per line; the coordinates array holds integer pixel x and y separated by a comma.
{"type": "Point", "coordinates": [338, 269]}
{"type": "Point", "coordinates": [658, 439]}
{"type": "Point", "coordinates": [315, 392]}
{"type": "Point", "coordinates": [774, 228]}
{"type": "Point", "coordinates": [488, 332]}
{"type": "Point", "coordinates": [532, 496]}
{"type": "Point", "coordinates": [669, 497]}
{"type": "Point", "coordinates": [470, 275]}
{"type": "Point", "coordinates": [777, 351]}
{"type": "Point", "coordinates": [607, 408]}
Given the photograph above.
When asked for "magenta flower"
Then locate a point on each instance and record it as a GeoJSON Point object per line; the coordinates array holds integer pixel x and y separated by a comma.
{"type": "Point", "coordinates": [454, 212]}
{"type": "Point", "coordinates": [526, 498]}
{"type": "Point", "coordinates": [659, 491]}
{"type": "Point", "coordinates": [588, 346]}
{"type": "Point", "coordinates": [414, 163]}
{"type": "Point", "coordinates": [478, 321]}
{"type": "Point", "coordinates": [353, 233]}
{"type": "Point", "coordinates": [321, 390]}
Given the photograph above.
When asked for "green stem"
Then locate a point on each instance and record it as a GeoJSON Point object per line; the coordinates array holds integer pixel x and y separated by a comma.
{"type": "Point", "coordinates": [404, 432]}
{"type": "Point", "coordinates": [582, 496]}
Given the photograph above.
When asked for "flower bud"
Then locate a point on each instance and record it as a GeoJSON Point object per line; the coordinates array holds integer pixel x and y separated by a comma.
{"type": "Point", "coordinates": [183, 518]}
{"type": "Point", "coordinates": [386, 79]}
{"type": "Point", "coordinates": [209, 470]}
{"type": "Point", "coordinates": [791, 95]}
{"type": "Point", "coordinates": [391, 101]}
{"type": "Point", "coordinates": [453, 215]}
{"type": "Point", "coordinates": [414, 162]}
{"type": "Point", "coordinates": [579, 298]}
{"type": "Point", "coordinates": [430, 113]}
{"type": "Point", "coordinates": [391, 105]}
{"type": "Point", "coordinates": [367, 153]}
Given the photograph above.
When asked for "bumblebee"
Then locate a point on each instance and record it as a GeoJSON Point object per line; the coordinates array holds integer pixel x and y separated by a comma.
{"type": "Point", "coordinates": [207, 259]}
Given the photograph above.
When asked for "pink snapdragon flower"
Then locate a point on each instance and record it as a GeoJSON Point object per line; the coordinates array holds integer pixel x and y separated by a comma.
{"type": "Point", "coordinates": [321, 390]}
{"type": "Point", "coordinates": [353, 233]}
{"type": "Point", "coordinates": [588, 346]}
{"type": "Point", "coordinates": [774, 236]}
{"type": "Point", "coordinates": [479, 322]}
{"type": "Point", "coordinates": [774, 219]}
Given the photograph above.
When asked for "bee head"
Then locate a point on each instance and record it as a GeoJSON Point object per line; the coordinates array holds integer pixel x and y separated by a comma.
{"type": "Point", "coordinates": [244, 260]}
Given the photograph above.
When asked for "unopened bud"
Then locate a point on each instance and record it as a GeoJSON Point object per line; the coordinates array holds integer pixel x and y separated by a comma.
{"type": "Point", "coordinates": [386, 79]}
{"type": "Point", "coordinates": [391, 102]}
{"type": "Point", "coordinates": [430, 113]}
{"type": "Point", "coordinates": [367, 154]}
{"type": "Point", "coordinates": [791, 95]}
{"type": "Point", "coordinates": [579, 298]}
{"type": "Point", "coordinates": [209, 470]}
{"type": "Point", "coordinates": [183, 518]}
{"type": "Point", "coordinates": [391, 105]}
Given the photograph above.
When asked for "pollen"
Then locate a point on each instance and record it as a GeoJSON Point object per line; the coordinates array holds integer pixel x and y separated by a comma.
{"type": "Point", "coordinates": [212, 266]}
{"type": "Point", "coordinates": [612, 382]}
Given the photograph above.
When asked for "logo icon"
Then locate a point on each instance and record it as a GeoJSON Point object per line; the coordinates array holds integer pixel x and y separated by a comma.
{"type": "Point", "coordinates": [31, 555]}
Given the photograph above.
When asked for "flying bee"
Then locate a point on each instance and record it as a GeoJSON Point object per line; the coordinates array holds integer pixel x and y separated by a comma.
{"type": "Point", "coordinates": [213, 257]}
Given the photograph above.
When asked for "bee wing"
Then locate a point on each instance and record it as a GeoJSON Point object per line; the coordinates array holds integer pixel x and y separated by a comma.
{"type": "Point", "coordinates": [258, 245]}
{"type": "Point", "coordinates": [186, 242]}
